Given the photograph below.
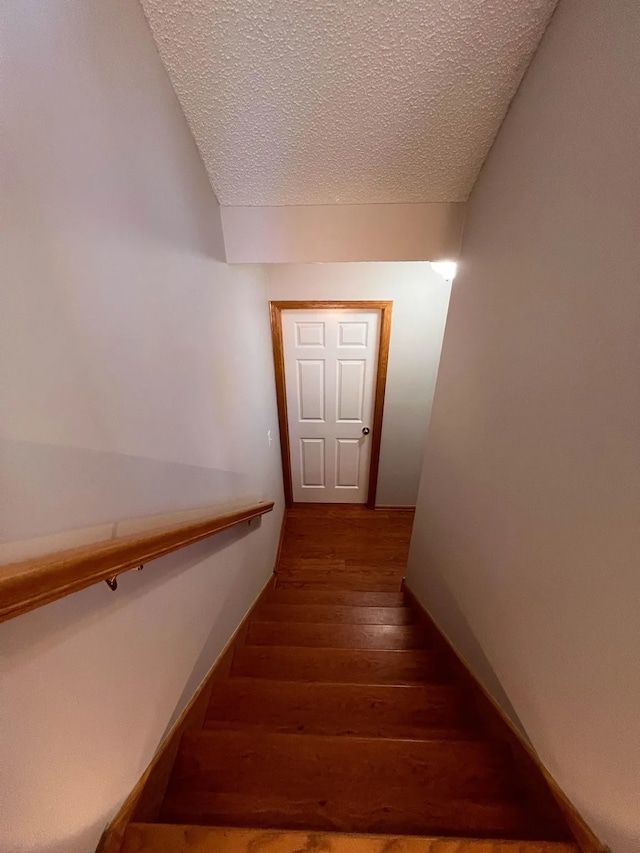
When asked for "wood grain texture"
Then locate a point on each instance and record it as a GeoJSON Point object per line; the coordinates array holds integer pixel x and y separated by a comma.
{"type": "Point", "coordinates": [397, 786]}
{"type": "Point", "coordinates": [353, 814]}
{"type": "Point", "coordinates": [158, 838]}
{"type": "Point", "coordinates": [383, 508]}
{"type": "Point", "coordinates": [337, 636]}
{"type": "Point", "coordinates": [330, 597]}
{"type": "Point", "coordinates": [311, 574]}
{"type": "Point", "coordinates": [29, 584]}
{"type": "Point", "coordinates": [299, 734]}
{"type": "Point", "coordinates": [362, 710]}
{"type": "Point", "coordinates": [281, 401]}
{"type": "Point", "coordinates": [385, 308]}
{"type": "Point", "coordinates": [338, 666]}
{"type": "Point", "coordinates": [283, 527]}
{"type": "Point", "coordinates": [336, 614]}
{"type": "Point", "coordinates": [332, 510]}
{"type": "Point", "coordinates": [330, 305]}
{"type": "Point", "coordinates": [345, 538]}
{"type": "Point", "coordinates": [378, 405]}
{"type": "Point", "coordinates": [314, 766]}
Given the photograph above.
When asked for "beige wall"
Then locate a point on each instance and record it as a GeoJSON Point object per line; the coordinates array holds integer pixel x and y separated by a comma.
{"type": "Point", "coordinates": [420, 300]}
{"type": "Point", "coordinates": [526, 547]}
{"type": "Point", "coordinates": [135, 378]}
{"type": "Point", "coordinates": [327, 233]}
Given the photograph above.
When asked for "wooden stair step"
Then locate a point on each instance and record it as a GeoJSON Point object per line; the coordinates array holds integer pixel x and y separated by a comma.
{"type": "Point", "coordinates": [387, 550]}
{"type": "Point", "coordinates": [392, 528]}
{"type": "Point", "coordinates": [337, 597]}
{"type": "Point", "coordinates": [337, 636]}
{"type": "Point", "coordinates": [340, 512]}
{"type": "Point", "coordinates": [171, 838]}
{"type": "Point", "coordinates": [417, 712]}
{"type": "Point", "coordinates": [336, 613]}
{"type": "Point", "coordinates": [349, 784]}
{"type": "Point", "coordinates": [360, 543]}
{"type": "Point", "coordinates": [338, 568]}
{"type": "Point", "coordinates": [323, 564]}
{"type": "Point", "coordinates": [338, 711]}
{"type": "Point", "coordinates": [445, 817]}
{"type": "Point", "coordinates": [324, 766]}
{"type": "Point", "coordinates": [345, 666]}
{"type": "Point", "coordinates": [366, 581]}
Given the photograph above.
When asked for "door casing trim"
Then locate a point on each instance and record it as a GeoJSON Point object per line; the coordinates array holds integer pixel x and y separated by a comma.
{"type": "Point", "coordinates": [385, 308]}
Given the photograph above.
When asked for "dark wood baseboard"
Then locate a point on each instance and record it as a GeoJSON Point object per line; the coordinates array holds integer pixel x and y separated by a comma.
{"type": "Point", "coordinates": [168, 838]}
{"type": "Point", "coordinates": [309, 504]}
{"type": "Point", "coordinates": [539, 782]}
{"type": "Point", "coordinates": [325, 504]}
{"type": "Point", "coordinates": [281, 539]}
{"type": "Point", "coordinates": [144, 801]}
{"type": "Point", "coordinates": [396, 508]}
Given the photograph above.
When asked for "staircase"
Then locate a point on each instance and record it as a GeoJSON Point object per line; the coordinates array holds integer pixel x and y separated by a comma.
{"type": "Point", "coordinates": [340, 715]}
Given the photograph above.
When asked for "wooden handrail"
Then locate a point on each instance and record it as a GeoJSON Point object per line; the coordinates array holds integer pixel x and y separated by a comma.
{"type": "Point", "coordinates": [29, 584]}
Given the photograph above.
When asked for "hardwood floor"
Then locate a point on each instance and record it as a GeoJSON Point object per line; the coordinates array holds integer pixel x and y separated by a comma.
{"type": "Point", "coordinates": [368, 710]}
{"type": "Point", "coordinates": [155, 838]}
{"type": "Point", "coordinates": [342, 547]}
{"type": "Point", "coordinates": [340, 714]}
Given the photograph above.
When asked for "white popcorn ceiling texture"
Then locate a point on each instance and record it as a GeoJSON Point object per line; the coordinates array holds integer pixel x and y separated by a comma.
{"type": "Point", "coordinates": [338, 101]}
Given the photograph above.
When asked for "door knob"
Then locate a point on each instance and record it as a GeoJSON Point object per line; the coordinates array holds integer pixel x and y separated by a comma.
{"type": "Point", "coordinates": [365, 430]}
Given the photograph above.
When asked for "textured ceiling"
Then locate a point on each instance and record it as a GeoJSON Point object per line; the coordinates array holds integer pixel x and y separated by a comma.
{"type": "Point", "coordinates": [336, 101]}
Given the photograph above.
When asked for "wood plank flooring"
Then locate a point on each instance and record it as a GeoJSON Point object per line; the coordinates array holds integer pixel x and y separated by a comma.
{"type": "Point", "coordinates": [155, 838]}
{"type": "Point", "coordinates": [340, 714]}
{"type": "Point", "coordinates": [339, 666]}
{"type": "Point", "coordinates": [336, 614]}
{"type": "Point", "coordinates": [368, 710]}
{"type": "Point", "coordinates": [337, 636]}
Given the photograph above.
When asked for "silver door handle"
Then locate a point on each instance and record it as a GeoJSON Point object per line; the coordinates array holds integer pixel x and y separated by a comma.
{"type": "Point", "coordinates": [365, 430]}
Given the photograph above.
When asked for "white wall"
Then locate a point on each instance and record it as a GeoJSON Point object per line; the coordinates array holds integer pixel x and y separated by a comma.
{"type": "Point", "coordinates": [420, 299]}
{"type": "Point", "coordinates": [527, 542]}
{"type": "Point", "coordinates": [135, 378]}
{"type": "Point", "coordinates": [327, 233]}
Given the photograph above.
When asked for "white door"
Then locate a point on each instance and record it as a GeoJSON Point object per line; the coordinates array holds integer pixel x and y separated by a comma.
{"type": "Point", "coordinates": [330, 360]}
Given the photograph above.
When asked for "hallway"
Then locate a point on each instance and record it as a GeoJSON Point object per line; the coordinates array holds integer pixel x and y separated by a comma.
{"type": "Point", "coordinates": [340, 713]}
{"type": "Point", "coordinates": [171, 173]}
{"type": "Point", "coordinates": [344, 547]}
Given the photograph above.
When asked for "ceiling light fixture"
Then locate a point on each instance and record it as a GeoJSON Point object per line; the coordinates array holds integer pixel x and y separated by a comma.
{"type": "Point", "coordinates": [447, 269]}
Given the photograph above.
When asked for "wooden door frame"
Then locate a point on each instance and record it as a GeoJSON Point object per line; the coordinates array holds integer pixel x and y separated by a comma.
{"type": "Point", "coordinates": [385, 308]}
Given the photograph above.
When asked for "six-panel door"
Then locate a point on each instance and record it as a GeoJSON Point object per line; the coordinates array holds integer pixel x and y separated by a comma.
{"type": "Point", "coordinates": [330, 360]}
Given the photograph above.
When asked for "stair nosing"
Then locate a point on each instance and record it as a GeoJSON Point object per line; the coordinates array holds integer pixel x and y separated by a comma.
{"type": "Point", "coordinates": [194, 734]}
{"type": "Point", "coordinates": [288, 622]}
{"type": "Point", "coordinates": [349, 683]}
{"type": "Point", "coordinates": [562, 846]}
{"type": "Point", "coordinates": [420, 685]}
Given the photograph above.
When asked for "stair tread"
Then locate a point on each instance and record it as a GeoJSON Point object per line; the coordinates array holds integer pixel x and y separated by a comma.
{"type": "Point", "coordinates": [336, 613]}
{"type": "Point", "coordinates": [173, 838]}
{"type": "Point", "coordinates": [335, 574]}
{"type": "Point", "coordinates": [268, 810]}
{"type": "Point", "coordinates": [331, 547]}
{"type": "Point", "coordinates": [350, 784]}
{"type": "Point", "coordinates": [337, 636]}
{"type": "Point", "coordinates": [337, 711]}
{"type": "Point", "coordinates": [337, 568]}
{"type": "Point", "coordinates": [348, 583]}
{"type": "Point", "coordinates": [310, 765]}
{"type": "Point", "coordinates": [325, 597]}
{"type": "Point", "coordinates": [389, 711]}
{"type": "Point", "coordinates": [364, 666]}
